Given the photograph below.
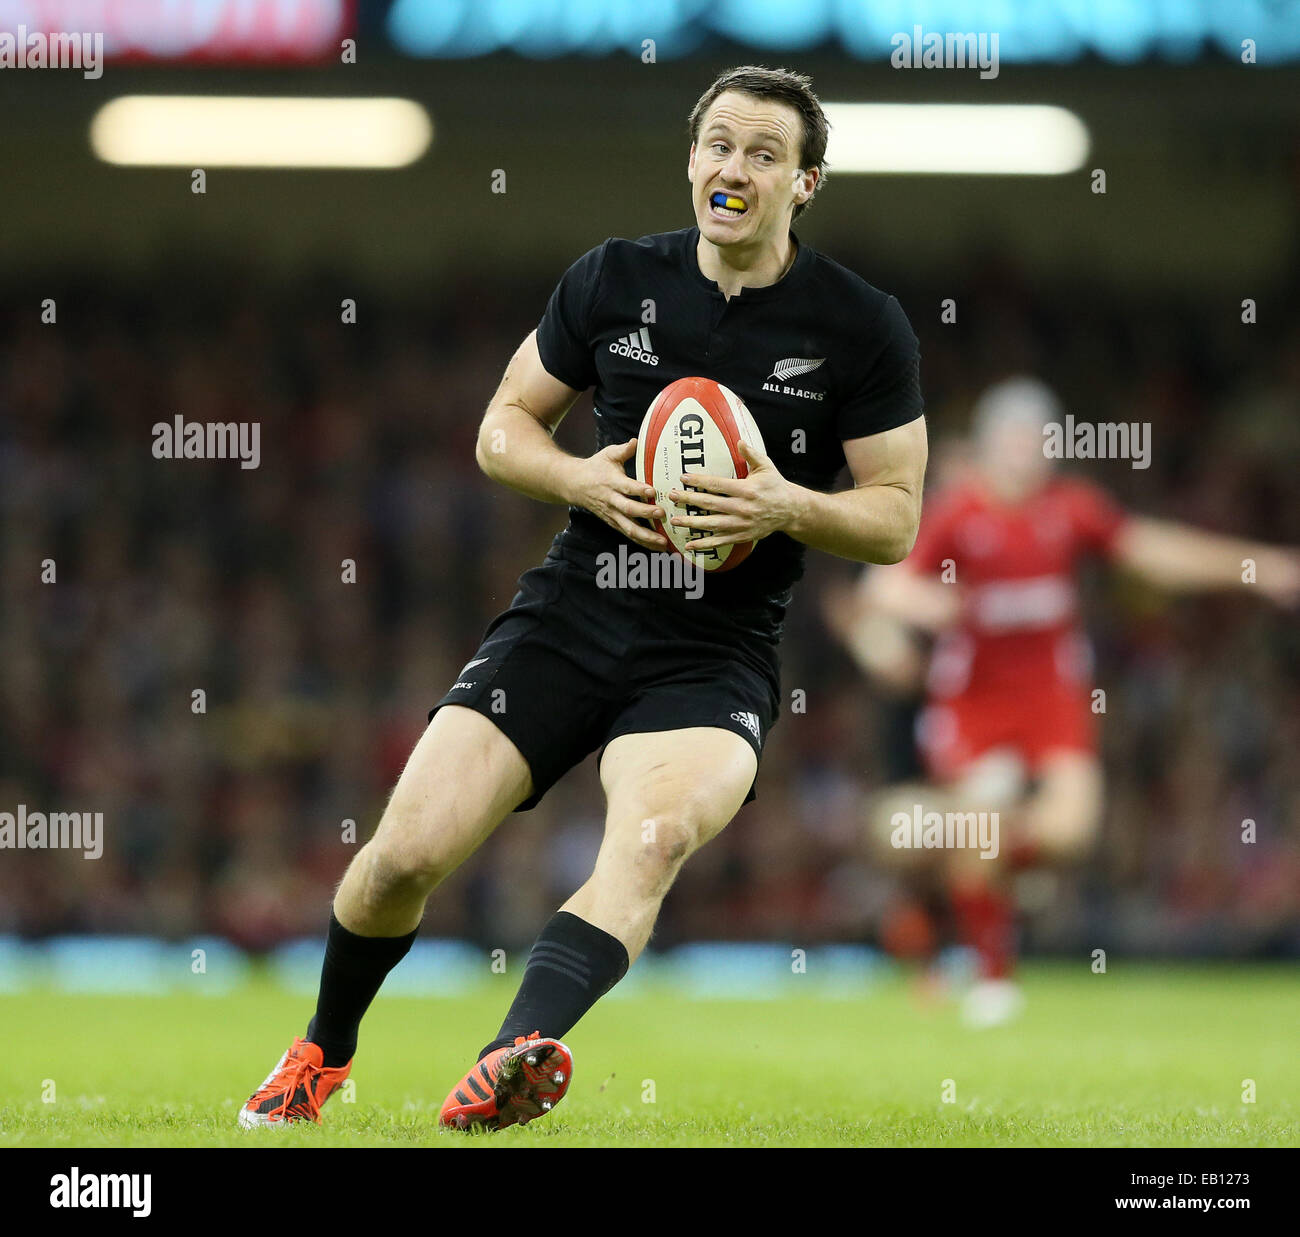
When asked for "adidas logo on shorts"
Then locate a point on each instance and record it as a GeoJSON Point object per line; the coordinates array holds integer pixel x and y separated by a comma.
{"type": "Point", "coordinates": [635, 347]}
{"type": "Point", "coordinates": [750, 723]}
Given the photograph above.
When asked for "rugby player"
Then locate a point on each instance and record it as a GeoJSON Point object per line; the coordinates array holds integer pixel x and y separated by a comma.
{"type": "Point", "coordinates": [1007, 724]}
{"type": "Point", "coordinates": [677, 694]}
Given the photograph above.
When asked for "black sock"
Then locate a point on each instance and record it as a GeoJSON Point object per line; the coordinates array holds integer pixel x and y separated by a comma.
{"type": "Point", "coordinates": [572, 965]}
{"type": "Point", "coordinates": [354, 968]}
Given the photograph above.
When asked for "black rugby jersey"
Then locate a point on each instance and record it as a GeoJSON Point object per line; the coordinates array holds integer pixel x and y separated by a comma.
{"type": "Point", "coordinates": [819, 357]}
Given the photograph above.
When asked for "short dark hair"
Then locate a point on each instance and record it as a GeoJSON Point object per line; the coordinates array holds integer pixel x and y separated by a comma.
{"type": "Point", "coordinates": [784, 86]}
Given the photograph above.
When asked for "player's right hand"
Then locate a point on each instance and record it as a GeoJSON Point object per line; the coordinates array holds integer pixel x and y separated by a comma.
{"type": "Point", "coordinates": [603, 488]}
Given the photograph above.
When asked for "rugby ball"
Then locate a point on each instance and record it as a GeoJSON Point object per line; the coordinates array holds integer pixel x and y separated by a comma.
{"type": "Point", "coordinates": [694, 425]}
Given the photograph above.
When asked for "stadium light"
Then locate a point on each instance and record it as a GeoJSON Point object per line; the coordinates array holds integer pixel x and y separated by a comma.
{"type": "Point", "coordinates": [260, 132]}
{"type": "Point", "coordinates": [955, 139]}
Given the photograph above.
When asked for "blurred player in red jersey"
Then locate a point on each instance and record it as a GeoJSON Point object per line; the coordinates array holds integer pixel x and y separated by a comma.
{"type": "Point", "coordinates": [1008, 723]}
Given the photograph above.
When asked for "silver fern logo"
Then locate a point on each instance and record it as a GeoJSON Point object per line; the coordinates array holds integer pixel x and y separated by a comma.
{"type": "Point", "coordinates": [793, 366]}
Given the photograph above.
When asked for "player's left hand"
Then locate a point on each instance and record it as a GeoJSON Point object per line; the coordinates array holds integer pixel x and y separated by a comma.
{"type": "Point", "coordinates": [739, 508]}
{"type": "Point", "coordinates": [1277, 575]}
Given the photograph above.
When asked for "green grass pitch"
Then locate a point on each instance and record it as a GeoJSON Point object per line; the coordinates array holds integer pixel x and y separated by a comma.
{"type": "Point", "coordinates": [1142, 1056]}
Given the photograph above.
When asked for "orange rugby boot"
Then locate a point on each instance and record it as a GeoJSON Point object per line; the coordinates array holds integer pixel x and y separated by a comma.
{"type": "Point", "coordinates": [510, 1086]}
{"type": "Point", "coordinates": [294, 1090]}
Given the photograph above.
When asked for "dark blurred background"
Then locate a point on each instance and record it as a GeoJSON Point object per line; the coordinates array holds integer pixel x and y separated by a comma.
{"type": "Point", "coordinates": [225, 306]}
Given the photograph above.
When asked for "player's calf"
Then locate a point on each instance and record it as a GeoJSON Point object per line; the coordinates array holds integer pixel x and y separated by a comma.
{"type": "Point", "coordinates": [668, 793]}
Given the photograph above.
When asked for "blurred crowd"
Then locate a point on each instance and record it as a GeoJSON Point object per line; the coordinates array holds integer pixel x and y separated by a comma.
{"type": "Point", "coordinates": [176, 577]}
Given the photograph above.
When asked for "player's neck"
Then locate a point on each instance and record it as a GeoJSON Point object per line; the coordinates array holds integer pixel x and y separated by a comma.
{"type": "Point", "coordinates": [1000, 492]}
{"type": "Point", "coordinates": [749, 266]}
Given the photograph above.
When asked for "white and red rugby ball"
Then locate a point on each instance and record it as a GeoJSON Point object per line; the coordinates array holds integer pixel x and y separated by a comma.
{"type": "Point", "coordinates": [695, 425]}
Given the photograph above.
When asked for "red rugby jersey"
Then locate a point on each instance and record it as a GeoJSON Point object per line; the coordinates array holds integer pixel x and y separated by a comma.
{"type": "Point", "coordinates": [1015, 566]}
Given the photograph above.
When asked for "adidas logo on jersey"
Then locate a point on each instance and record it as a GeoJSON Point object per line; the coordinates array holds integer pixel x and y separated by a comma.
{"type": "Point", "coordinates": [635, 347]}
{"type": "Point", "coordinates": [750, 723]}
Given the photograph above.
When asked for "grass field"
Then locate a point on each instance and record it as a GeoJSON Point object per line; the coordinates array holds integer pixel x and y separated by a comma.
{"type": "Point", "coordinates": [1142, 1056]}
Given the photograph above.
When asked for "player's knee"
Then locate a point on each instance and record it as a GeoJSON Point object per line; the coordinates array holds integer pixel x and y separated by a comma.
{"type": "Point", "coordinates": [406, 856]}
{"type": "Point", "coordinates": [1066, 838]}
{"type": "Point", "coordinates": [1065, 816]}
{"type": "Point", "coordinates": [665, 844]}
{"type": "Point", "coordinates": [383, 876]}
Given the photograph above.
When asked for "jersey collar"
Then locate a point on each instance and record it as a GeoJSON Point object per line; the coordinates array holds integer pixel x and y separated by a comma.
{"type": "Point", "coordinates": [802, 261]}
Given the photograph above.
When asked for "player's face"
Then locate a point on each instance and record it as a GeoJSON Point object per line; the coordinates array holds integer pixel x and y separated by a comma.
{"type": "Point", "coordinates": [1012, 457]}
{"type": "Point", "coordinates": [748, 151]}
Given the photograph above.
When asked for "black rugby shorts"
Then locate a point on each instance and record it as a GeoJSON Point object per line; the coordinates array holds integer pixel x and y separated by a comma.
{"type": "Point", "coordinates": [569, 666]}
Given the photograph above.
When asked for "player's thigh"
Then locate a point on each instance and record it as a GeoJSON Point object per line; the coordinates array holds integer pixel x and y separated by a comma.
{"type": "Point", "coordinates": [668, 792]}
{"type": "Point", "coordinates": [1064, 813]}
{"type": "Point", "coordinates": [462, 779]}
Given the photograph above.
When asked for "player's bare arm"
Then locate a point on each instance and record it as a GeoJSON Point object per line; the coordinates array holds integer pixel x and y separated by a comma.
{"type": "Point", "coordinates": [905, 595]}
{"type": "Point", "coordinates": [885, 646]}
{"type": "Point", "coordinates": [1183, 558]}
{"type": "Point", "coordinates": [881, 618]}
{"type": "Point", "coordinates": [516, 446]}
{"type": "Point", "coordinates": [874, 522]}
